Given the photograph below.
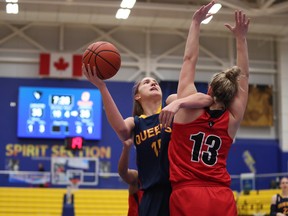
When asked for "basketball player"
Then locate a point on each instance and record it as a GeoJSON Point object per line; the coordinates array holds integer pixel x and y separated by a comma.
{"type": "Point", "coordinates": [279, 202]}
{"type": "Point", "coordinates": [130, 176]}
{"type": "Point", "coordinates": [148, 136]}
{"type": "Point", "coordinates": [201, 138]}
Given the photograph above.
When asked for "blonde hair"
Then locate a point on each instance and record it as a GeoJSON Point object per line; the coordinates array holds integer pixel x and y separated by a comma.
{"type": "Point", "coordinates": [224, 85]}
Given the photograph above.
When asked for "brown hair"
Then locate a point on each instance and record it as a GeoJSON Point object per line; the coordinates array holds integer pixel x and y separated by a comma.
{"type": "Point", "coordinates": [137, 107]}
{"type": "Point", "coordinates": [224, 85]}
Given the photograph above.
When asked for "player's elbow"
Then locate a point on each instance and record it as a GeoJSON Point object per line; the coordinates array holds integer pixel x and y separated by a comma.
{"type": "Point", "coordinates": [171, 98]}
{"type": "Point", "coordinates": [122, 172]}
{"type": "Point", "coordinates": [123, 133]}
{"type": "Point", "coordinates": [204, 100]}
{"type": "Point", "coordinates": [190, 55]}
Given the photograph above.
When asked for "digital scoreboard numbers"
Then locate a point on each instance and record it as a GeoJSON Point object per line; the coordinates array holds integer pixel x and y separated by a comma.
{"type": "Point", "coordinates": [59, 113]}
{"type": "Point", "coordinates": [36, 114]}
{"type": "Point", "coordinates": [61, 100]}
{"type": "Point", "coordinates": [74, 143]}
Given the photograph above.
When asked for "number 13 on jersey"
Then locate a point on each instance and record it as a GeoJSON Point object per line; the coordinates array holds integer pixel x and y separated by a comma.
{"type": "Point", "coordinates": [210, 156]}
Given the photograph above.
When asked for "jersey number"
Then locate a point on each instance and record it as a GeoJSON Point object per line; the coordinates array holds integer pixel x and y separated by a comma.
{"type": "Point", "coordinates": [156, 146]}
{"type": "Point", "coordinates": [208, 157]}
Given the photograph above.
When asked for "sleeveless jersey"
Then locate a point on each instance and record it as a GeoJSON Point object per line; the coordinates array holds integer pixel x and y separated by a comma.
{"type": "Point", "coordinates": [149, 139]}
{"type": "Point", "coordinates": [198, 151]}
{"type": "Point", "coordinates": [134, 201]}
{"type": "Point", "coordinates": [282, 204]}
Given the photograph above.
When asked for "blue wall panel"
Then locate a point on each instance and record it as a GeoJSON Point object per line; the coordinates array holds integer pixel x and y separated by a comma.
{"type": "Point", "coordinates": [30, 152]}
{"type": "Point", "coordinates": [261, 156]}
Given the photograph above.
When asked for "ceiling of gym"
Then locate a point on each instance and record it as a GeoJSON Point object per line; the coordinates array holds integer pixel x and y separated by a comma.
{"type": "Point", "coordinates": [269, 17]}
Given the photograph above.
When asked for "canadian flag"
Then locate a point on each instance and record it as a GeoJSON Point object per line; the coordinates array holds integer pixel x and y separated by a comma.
{"type": "Point", "coordinates": [60, 65]}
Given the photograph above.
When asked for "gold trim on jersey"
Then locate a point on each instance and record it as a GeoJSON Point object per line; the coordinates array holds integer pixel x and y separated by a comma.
{"type": "Point", "coordinates": [145, 116]}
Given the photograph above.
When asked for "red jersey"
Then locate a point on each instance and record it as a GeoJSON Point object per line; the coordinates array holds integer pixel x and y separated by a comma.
{"type": "Point", "coordinates": [198, 152]}
{"type": "Point", "coordinates": [134, 201]}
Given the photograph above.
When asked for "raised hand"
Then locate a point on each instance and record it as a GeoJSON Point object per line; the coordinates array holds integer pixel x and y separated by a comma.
{"type": "Point", "coordinates": [168, 112]}
{"type": "Point", "coordinates": [91, 76]}
{"type": "Point", "coordinates": [241, 24]}
{"type": "Point", "coordinates": [202, 13]}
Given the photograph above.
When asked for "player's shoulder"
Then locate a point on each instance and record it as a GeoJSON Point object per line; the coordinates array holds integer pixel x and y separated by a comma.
{"type": "Point", "coordinates": [274, 198]}
{"type": "Point", "coordinates": [129, 121]}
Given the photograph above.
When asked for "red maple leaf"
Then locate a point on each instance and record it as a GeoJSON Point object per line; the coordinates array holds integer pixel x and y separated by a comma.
{"type": "Point", "coordinates": [61, 64]}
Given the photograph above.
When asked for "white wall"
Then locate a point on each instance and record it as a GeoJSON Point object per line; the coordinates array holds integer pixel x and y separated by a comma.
{"type": "Point", "coordinates": [283, 94]}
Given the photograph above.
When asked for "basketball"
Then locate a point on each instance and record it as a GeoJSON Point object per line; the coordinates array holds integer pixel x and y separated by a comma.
{"type": "Point", "coordinates": [105, 57]}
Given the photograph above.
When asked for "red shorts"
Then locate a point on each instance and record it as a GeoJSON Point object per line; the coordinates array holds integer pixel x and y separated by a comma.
{"type": "Point", "coordinates": [202, 201]}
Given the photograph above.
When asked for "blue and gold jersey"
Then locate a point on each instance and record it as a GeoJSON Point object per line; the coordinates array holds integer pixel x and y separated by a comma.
{"type": "Point", "coordinates": [282, 204]}
{"type": "Point", "coordinates": [149, 139]}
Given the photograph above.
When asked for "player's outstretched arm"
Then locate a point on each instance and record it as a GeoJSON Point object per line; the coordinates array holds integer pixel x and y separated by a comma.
{"type": "Point", "coordinates": [239, 30]}
{"type": "Point", "coordinates": [187, 75]}
{"type": "Point", "coordinates": [193, 101]}
{"type": "Point", "coordinates": [121, 127]}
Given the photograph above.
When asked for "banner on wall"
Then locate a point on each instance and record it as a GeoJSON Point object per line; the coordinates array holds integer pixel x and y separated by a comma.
{"type": "Point", "coordinates": [60, 65]}
{"type": "Point", "coordinates": [259, 110]}
{"type": "Point", "coordinates": [30, 178]}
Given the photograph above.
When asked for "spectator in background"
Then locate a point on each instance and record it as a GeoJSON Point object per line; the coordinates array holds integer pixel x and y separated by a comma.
{"type": "Point", "coordinates": [15, 165]}
{"type": "Point", "coordinates": [274, 184]}
{"type": "Point", "coordinates": [41, 169]}
{"type": "Point", "coordinates": [130, 176]}
{"type": "Point", "coordinates": [69, 196]}
{"type": "Point", "coordinates": [68, 203]}
{"type": "Point", "coordinates": [279, 202]}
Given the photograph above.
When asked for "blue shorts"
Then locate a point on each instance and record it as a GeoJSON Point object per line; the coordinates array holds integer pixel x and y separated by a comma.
{"type": "Point", "coordinates": [155, 201]}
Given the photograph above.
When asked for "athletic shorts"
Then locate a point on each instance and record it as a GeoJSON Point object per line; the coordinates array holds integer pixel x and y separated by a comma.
{"type": "Point", "coordinates": [202, 201]}
{"type": "Point", "coordinates": [155, 201]}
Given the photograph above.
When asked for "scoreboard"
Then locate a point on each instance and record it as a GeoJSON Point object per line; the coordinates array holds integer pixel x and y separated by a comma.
{"type": "Point", "coordinates": [49, 112]}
